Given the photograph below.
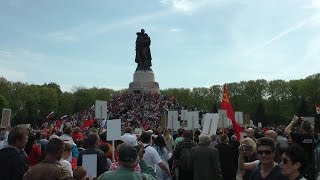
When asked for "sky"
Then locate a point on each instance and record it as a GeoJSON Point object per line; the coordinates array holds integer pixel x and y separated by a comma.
{"type": "Point", "coordinates": [194, 43]}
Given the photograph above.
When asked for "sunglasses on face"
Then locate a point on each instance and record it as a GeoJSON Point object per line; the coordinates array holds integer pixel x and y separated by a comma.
{"type": "Point", "coordinates": [285, 160]}
{"type": "Point", "coordinates": [264, 152]}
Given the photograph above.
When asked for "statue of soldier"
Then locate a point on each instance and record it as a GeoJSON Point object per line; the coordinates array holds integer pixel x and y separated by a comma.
{"type": "Point", "coordinates": [143, 54]}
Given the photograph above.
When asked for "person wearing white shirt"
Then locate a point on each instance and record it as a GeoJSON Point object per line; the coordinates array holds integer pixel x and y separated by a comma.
{"type": "Point", "coordinates": [151, 156]}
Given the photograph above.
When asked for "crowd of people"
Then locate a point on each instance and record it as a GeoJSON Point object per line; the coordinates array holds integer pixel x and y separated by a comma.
{"type": "Point", "coordinates": [284, 152]}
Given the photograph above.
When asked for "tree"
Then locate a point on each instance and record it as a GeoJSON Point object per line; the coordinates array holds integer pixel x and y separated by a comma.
{"type": "Point", "coordinates": [3, 102]}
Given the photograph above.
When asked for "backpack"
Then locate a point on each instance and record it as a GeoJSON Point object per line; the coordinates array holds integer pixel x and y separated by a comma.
{"type": "Point", "coordinates": [185, 159]}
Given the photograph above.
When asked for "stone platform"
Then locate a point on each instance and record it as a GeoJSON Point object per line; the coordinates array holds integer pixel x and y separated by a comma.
{"type": "Point", "coordinates": [144, 81]}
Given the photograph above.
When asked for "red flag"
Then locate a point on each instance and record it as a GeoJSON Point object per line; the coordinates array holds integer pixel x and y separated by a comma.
{"type": "Point", "coordinates": [87, 124]}
{"type": "Point", "coordinates": [226, 105]}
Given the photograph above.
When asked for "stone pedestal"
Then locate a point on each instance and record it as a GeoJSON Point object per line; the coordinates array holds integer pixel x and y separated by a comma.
{"type": "Point", "coordinates": [143, 81]}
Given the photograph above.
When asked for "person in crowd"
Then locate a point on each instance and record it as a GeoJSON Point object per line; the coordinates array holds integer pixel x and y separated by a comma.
{"type": "Point", "coordinates": [151, 156]}
{"type": "Point", "coordinates": [282, 141]}
{"type": "Point", "coordinates": [42, 140]}
{"type": "Point", "coordinates": [77, 135]}
{"type": "Point", "coordinates": [179, 138]}
{"type": "Point", "coordinates": [79, 144]}
{"type": "Point", "coordinates": [168, 140]}
{"type": "Point", "coordinates": [267, 168]}
{"type": "Point", "coordinates": [12, 162]}
{"type": "Point", "coordinates": [293, 162]}
{"type": "Point", "coordinates": [273, 135]}
{"type": "Point", "coordinates": [50, 168]}
{"type": "Point", "coordinates": [235, 145]}
{"type": "Point", "coordinates": [161, 148]}
{"type": "Point", "coordinates": [205, 160]}
{"type": "Point", "coordinates": [93, 148]}
{"type": "Point", "coordinates": [66, 137]}
{"type": "Point", "coordinates": [5, 135]}
{"type": "Point", "coordinates": [128, 138]}
{"type": "Point", "coordinates": [196, 135]}
{"type": "Point", "coordinates": [182, 156]}
{"type": "Point", "coordinates": [33, 150]}
{"type": "Point", "coordinates": [250, 134]}
{"type": "Point", "coordinates": [305, 138]}
{"type": "Point", "coordinates": [66, 153]}
{"type": "Point", "coordinates": [214, 140]}
{"type": "Point", "coordinates": [116, 164]}
{"type": "Point", "coordinates": [227, 156]}
{"type": "Point", "coordinates": [105, 148]}
{"type": "Point", "coordinates": [248, 159]}
{"type": "Point", "coordinates": [129, 157]}
{"type": "Point", "coordinates": [79, 173]}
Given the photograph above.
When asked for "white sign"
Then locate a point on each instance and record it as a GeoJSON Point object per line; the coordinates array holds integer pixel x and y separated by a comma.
{"type": "Point", "coordinates": [210, 123]}
{"type": "Point", "coordinates": [173, 122]}
{"type": "Point", "coordinates": [113, 129]}
{"type": "Point", "coordinates": [184, 115]}
{"type": "Point", "coordinates": [239, 117]}
{"type": "Point", "coordinates": [101, 109]}
{"type": "Point", "coordinates": [223, 122]}
{"type": "Point", "coordinates": [193, 119]}
{"type": "Point", "coordinates": [89, 163]}
{"type": "Point", "coordinates": [6, 117]}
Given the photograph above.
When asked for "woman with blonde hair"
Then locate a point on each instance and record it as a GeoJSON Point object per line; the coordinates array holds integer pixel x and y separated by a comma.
{"type": "Point", "coordinates": [168, 140]}
{"type": "Point", "coordinates": [248, 159]}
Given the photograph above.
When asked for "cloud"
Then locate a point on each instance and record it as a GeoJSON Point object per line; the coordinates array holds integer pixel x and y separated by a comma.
{"type": "Point", "coordinates": [90, 30]}
{"type": "Point", "coordinates": [61, 36]}
{"type": "Point", "coordinates": [295, 27]}
{"type": "Point", "coordinates": [188, 6]}
{"type": "Point", "coordinates": [313, 4]}
{"type": "Point", "coordinates": [8, 72]}
{"type": "Point", "coordinates": [175, 30]}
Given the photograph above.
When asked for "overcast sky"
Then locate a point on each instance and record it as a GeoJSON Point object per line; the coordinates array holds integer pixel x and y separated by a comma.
{"type": "Point", "coordinates": [195, 43]}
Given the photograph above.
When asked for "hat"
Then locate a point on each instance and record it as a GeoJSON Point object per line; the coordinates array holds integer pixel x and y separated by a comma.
{"type": "Point", "coordinates": [53, 136]}
{"type": "Point", "coordinates": [127, 153]}
{"type": "Point", "coordinates": [129, 139]}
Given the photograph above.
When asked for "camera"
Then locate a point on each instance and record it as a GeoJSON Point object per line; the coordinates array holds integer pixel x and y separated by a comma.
{"type": "Point", "coordinates": [245, 147]}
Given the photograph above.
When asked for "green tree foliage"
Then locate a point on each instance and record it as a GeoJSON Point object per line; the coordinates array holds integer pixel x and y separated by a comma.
{"type": "Point", "coordinates": [265, 101]}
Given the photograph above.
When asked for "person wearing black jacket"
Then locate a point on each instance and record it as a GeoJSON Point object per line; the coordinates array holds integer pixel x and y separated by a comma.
{"type": "Point", "coordinates": [93, 144]}
{"type": "Point", "coordinates": [13, 164]}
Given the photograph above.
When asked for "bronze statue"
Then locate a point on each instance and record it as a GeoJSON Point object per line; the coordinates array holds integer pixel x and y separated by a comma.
{"type": "Point", "coordinates": [143, 54]}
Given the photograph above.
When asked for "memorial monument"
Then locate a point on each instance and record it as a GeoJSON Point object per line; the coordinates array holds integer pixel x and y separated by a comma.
{"type": "Point", "coordinates": [143, 77]}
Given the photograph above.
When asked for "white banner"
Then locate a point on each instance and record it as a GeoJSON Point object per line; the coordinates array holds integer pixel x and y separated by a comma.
{"type": "Point", "coordinates": [173, 122]}
{"type": "Point", "coordinates": [101, 109]}
{"type": "Point", "coordinates": [184, 115]}
{"type": "Point", "coordinates": [210, 123]}
{"type": "Point", "coordinates": [223, 122]}
{"type": "Point", "coordinates": [113, 129]}
{"type": "Point", "coordinates": [193, 120]}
